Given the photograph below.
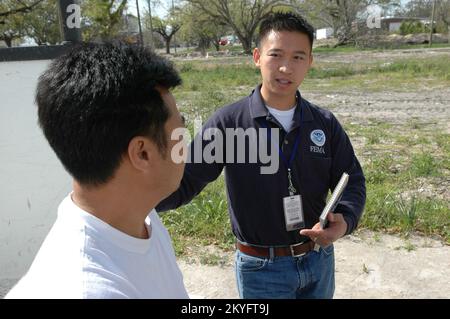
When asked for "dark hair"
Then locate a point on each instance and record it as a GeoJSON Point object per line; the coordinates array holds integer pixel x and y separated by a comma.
{"type": "Point", "coordinates": [285, 21]}
{"type": "Point", "coordinates": [93, 100]}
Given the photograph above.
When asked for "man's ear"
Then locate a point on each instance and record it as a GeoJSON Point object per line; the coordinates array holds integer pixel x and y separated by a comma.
{"type": "Point", "coordinates": [311, 59]}
{"type": "Point", "coordinates": [256, 57]}
{"type": "Point", "coordinates": [141, 152]}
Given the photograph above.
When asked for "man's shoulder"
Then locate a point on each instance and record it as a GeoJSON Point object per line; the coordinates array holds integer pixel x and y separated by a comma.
{"type": "Point", "coordinates": [231, 111]}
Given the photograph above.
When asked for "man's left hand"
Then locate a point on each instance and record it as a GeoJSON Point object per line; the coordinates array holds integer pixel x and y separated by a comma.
{"type": "Point", "coordinates": [337, 227]}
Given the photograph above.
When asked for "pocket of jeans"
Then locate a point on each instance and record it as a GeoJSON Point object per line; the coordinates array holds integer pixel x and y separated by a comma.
{"type": "Point", "coordinates": [250, 263]}
{"type": "Point", "coordinates": [328, 251]}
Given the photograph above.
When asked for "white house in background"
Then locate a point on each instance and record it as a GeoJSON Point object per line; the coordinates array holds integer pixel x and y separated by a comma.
{"type": "Point", "coordinates": [324, 33]}
{"type": "Point", "coordinates": [131, 24]}
{"type": "Point", "coordinates": [392, 24]}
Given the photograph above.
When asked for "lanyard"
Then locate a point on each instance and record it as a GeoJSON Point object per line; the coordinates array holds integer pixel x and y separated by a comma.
{"type": "Point", "coordinates": [287, 162]}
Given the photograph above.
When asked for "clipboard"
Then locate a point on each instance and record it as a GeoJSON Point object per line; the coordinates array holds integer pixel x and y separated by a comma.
{"type": "Point", "coordinates": [334, 200]}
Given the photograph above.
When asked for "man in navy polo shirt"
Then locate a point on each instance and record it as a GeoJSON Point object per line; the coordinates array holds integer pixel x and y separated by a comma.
{"type": "Point", "coordinates": [275, 216]}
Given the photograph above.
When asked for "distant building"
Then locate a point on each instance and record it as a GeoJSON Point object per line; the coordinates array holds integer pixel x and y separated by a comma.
{"type": "Point", "coordinates": [131, 24]}
{"type": "Point", "coordinates": [130, 31]}
{"type": "Point", "coordinates": [392, 24]}
{"type": "Point", "coordinates": [324, 33]}
{"type": "Point", "coordinates": [130, 28]}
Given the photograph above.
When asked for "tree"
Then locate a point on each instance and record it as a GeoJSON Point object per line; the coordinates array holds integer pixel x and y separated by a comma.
{"type": "Point", "coordinates": [423, 8]}
{"type": "Point", "coordinates": [443, 16]}
{"type": "Point", "coordinates": [341, 15]}
{"type": "Point", "coordinates": [42, 24]}
{"type": "Point", "coordinates": [12, 18]}
{"type": "Point", "coordinates": [337, 14]}
{"type": "Point", "coordinates": [102, 18]}
{"type": "Point", "coordinates": [12, 29]}
{"type": "Point", "coordinates": [413, 27]}
{"type": "Point", "coordinates": [418, 8]}
{"type": "Point", "coordinates": [167, 29]}
{"type": "Point", "coordinates": [148, 19]}
{"type": "Point", "coordinates": [242, 16]}
{"type": "Point", "coordinates": [9, 7]}
{"type": "Point", "coordinates": [201, 28]}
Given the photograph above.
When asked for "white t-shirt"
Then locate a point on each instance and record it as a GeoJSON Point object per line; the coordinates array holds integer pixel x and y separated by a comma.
{"type": "Point", "coordinates": [284, 117]}
{"type": "Point", "coordinates": [84, 257]}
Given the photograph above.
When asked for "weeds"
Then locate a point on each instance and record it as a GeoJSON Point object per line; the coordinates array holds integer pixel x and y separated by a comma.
{"type": "Point", "coordinates": [424, 165]}
{"type": "Point", "coordinates": [204, 221]}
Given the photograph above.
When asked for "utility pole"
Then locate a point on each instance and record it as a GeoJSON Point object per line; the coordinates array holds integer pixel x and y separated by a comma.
{"type": "Point", "coordinates": [151, 23]}
{"type": "Point", "coordinates": [141, 38]}
{"type": "Point", "coordinates": [174, 37]}
{"type": "Point", "coordinates": [69, 20]}
{"type": "Point", "coordinates": [432, 22]}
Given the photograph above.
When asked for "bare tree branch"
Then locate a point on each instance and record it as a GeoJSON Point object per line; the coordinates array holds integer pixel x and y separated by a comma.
{"type": "Point", "coordinates": [242, 16]}
{"type": "Point", "coordinates": [24, 8]}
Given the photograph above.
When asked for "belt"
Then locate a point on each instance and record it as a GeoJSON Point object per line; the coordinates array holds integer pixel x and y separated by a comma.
{"type": "Point", "coordinates": [296, 250]}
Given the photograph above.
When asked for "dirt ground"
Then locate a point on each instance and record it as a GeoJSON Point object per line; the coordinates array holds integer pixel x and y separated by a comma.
{"type": "Point", "coordinates": [393, 107]}
{"type": "Point", "coordinates": [368, 265]}
{"type": "Point", "coordinates": [384, 56]}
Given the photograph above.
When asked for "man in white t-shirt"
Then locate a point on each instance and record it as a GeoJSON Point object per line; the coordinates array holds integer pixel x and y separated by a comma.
{"type": "Point", "coordinates": [107, 112]}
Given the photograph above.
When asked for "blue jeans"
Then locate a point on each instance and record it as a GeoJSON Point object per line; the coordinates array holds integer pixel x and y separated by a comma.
{"type": "Point", "coordinates": [308, 276]}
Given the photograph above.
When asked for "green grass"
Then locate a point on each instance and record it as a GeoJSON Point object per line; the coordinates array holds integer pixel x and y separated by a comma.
{"type": "Point", "coordinates": [229, 76]}
{"type": "Point", "coordinates": [377, 170]}
{"type": "Point", "coordinates": [334, 50]}
{"type": "Point", "coordinates": [342, 49]}
{"type": "Point", "coordinates": [424, 165]}
{"type": "Point", "coordinates": [443, 140]}
{"type": "Point", "coordinates": [204, 221]}
{"type": "Point", "coordinates": [352, 49]}
{"type": "Point", "coordinates": [205, 76]}
{"type": "Point", "coordinates": [419, 46]}
{"type": "Point", "coordinates": [392, 179]}
{"type": "Point", "coordinates": [245, 73]}
{"type": "Point", "coordinates": [430, 67]}
{"type": "Point", "coordinates": [387, 210]}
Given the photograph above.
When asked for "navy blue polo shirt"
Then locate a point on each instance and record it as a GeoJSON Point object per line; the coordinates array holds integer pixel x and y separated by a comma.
{"type": "Point", "coordinates": [255, 200]}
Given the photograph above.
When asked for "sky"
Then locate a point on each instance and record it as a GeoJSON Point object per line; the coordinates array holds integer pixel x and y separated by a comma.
{"type": "Point", "coordinates": [158, 10]}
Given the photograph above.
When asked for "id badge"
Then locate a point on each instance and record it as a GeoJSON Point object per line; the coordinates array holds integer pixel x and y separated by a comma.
{"type": "Point", "coordinates": [293, 212]}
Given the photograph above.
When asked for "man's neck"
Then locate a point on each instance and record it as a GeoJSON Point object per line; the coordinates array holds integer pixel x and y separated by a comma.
{"type": "Point", "coordinates": [114, 205]}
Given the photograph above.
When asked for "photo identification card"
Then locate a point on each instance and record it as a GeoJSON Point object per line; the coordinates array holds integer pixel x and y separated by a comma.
{"type": "Point", "coordinates": [293, 212]}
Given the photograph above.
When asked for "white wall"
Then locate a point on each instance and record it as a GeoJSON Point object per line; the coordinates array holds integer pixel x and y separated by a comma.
{"type": "Point", "coordinates": [32, 181]}
{"type": "Point", "coordinates": [324, 33]}
{"type": "Point", "coordinates": [394, 26]}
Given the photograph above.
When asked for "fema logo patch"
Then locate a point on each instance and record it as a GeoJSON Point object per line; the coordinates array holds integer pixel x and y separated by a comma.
{"type": "Point", "coordinates": [318, 137]}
